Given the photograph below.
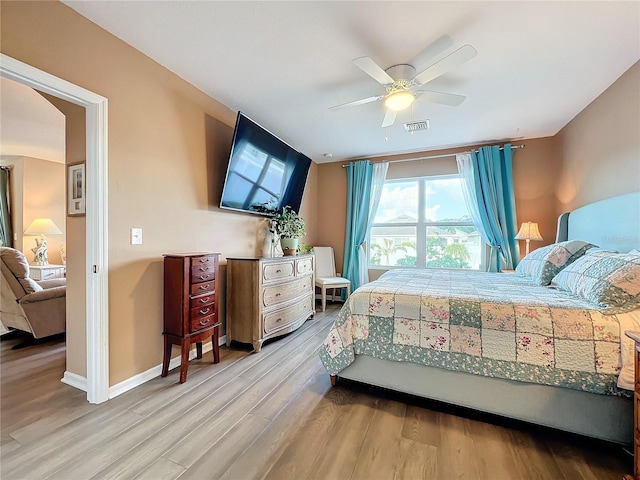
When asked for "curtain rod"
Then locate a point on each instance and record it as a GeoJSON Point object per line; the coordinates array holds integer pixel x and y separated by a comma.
{"type": "Point", "coordinates": [513, 147]}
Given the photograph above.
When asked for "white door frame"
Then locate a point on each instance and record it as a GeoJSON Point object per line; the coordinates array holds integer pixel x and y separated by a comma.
{"type": "Point", "coordinates": [97, 287]}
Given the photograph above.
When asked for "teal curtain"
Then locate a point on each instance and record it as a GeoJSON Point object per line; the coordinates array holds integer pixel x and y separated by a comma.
{"type": "Point", "coordinates": [492, 169]}
{"type": "Point", "coordinates": [6, 232]}
{"type": "Point", "coordinates": [359, 180]}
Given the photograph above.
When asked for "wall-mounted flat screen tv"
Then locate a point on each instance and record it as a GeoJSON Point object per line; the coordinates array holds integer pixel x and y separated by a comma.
{"type": "Point", "coordinates": [264, 173]}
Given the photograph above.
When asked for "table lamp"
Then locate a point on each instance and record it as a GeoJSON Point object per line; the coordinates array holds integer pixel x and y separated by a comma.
{"type": "Point", "coordinates": [528, 231]}
{"type": "Point", "coordinates": [41, 227]}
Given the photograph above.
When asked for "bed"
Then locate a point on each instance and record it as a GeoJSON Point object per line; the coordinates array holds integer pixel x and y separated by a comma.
{"type": "Point", "coordinates": [503, 343]}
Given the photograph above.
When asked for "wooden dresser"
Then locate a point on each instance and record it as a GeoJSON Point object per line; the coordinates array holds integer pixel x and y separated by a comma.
{"type": "Point", "coordinates": [190, 306]}
{"type": "Point", "coordinates": [268, 297]}
{"type": "Point", "coordinates": [635, 336]}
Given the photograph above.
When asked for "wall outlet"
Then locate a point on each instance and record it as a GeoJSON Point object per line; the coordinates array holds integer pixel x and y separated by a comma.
{"type": "Point", "coordinates": [136, 236]}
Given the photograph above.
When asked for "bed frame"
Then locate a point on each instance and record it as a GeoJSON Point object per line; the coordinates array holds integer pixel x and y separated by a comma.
{"type": "Point", "coordinates": [612, 224]}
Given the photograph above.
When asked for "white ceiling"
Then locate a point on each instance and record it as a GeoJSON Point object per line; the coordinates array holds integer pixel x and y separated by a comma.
{"type": "Point", "coordinates": [285, 63]}
{"type": "Point", "coordinates": [30, 126]}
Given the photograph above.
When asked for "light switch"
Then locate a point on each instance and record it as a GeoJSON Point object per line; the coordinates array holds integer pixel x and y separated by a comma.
{"type": "Point", "coordinates": [136, 236]}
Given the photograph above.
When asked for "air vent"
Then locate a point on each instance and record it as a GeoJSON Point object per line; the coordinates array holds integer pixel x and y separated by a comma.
{"type": "Point", "coordinates": [416, 126]}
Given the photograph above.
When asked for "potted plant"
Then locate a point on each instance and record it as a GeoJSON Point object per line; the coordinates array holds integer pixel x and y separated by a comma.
{"type": "Point", "coordinates": [289, 226]}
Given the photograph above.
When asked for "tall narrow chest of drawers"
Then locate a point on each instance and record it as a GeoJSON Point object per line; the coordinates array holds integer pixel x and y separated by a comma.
{"type": "Point", "coordinates": [190, 306]}
{"type": "Point", "coordinates": [635, 336]}
{"type": "Point", "coordinates": [268, 297]}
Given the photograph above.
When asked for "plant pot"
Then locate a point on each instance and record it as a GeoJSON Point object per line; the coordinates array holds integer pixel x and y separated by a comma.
{"type": "Point", "coordinates": [289, 246]}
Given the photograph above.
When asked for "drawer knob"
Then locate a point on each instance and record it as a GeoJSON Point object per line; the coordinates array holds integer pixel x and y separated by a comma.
{"type": "Point", "coordinates": [204, 311]}
{"type": "Point", "coordinates": [203, 277]}
{"type": "Point", "coordinates": [204, 300]}
{"type": "Point", "coordinates": [278, 271]}
{"type": "Point", "coordinates": [204, 260]}
{"type": "Point", "coordinates": [279, 320]}
{"type": "Point", "coordinates": [203, 269]}
{"type": "Point", "coordinates": [204, 322]}
{"type": "Point", "coordinates": [278, 294]}
{"type": "Point", "coordinates": [204, 287]}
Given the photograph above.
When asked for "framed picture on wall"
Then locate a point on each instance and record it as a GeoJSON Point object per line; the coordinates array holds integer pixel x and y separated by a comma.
{"type": "Point", "coordinates": [76, 193]}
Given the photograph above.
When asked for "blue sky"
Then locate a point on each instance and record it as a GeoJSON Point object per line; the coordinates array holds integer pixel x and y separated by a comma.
{"type": "Point", "coordinates": [444, 199]}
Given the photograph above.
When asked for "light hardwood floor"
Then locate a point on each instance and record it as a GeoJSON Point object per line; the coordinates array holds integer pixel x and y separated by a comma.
{"type": "Point", "coordinates": [271, 415]}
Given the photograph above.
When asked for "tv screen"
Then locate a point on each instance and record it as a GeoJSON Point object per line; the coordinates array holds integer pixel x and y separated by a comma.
{"type": "Point", "coordinates": [264, 173]}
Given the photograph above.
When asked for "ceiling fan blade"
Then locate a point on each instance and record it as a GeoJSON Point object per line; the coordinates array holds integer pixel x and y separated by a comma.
{"type": "Point", "coordinates": [431, 51]}
{"type": "Point", "coordinates": [362, 101]}
{"type": "Point", "coordinates": [463, 54]}
{"type": "Point", "coordinates": [450, 99]}
{"type": "Point", "coordinates": [389, 118]}
{"type": "Point", "coordinates": [372, 69]}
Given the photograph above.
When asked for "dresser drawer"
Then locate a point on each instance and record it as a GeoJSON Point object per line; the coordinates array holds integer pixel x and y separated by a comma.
{"type": "Point", "coordinates": [204, 287]}
{"type": "Point", "coordinates": [202, 300]}
{"type": "Point", "coordinates": [304, 265]}
{"type": "Point", "coordinates": [202, 322]}
{"type": "Point", "coordinates": [281, 318]}
{"type": "Point", "coordinates": [275, 271]}
{"type": "Point", "coordinates": [281, 293]}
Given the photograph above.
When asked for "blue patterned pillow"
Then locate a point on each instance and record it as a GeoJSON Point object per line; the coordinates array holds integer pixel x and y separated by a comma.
{"type": "Point", "coordinates": [544, 263]}
{"type": "Point", "coordinates": [609, 280]}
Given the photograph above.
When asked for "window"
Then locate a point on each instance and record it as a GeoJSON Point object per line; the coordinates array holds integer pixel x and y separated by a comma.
{"type": "Point", "coordinates": [424, 223]}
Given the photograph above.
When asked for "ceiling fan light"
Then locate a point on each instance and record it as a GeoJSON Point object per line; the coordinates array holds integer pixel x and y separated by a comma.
{"type": "Point", "coordinates": [399, 100]}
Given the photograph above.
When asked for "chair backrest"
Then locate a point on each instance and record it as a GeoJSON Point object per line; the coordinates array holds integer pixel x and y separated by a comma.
{"type": "Point", "coordinates": [15, 269]}
{"type": "Point", "coordinates": [325, 262]}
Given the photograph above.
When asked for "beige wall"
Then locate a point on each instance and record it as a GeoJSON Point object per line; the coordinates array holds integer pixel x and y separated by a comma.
{"type": "Point", "coordinates": [37, 192]}
{"type": "Point", "coordinates": [75, 146]}
{"type": "Point", "coordinates": [168, 144]}
{"type": "Point", "coordinates": [535, 169]}
{"type": "Point", "coordinates": [601, 146]}
{"type": "Point", "coordinates": [596, 156]}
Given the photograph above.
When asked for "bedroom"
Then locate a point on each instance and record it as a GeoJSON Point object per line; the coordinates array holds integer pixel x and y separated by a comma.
{"type": "Point", "coordinates": [186, 124]}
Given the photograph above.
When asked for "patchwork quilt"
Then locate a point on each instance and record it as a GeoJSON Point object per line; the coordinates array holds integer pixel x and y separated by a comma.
{"type": "Point", "coordinates": [497, 325]}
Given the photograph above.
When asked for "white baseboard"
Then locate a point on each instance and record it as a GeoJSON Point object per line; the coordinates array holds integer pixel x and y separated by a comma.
{"type": "Point", "coordinates": [75, 380]}
{"type": "Point", "coordinates": [80, 382]}
{"type": "Point", "coordinates": [154, 372]}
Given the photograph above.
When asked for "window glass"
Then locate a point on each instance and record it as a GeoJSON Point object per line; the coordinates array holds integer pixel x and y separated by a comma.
{"type": "Point", "coordinates": [444, 200]}
{"type": "Point", "coordinates": [393, 245]}
{"type": "Point", "coordinates": [398, 202]}
{"type": "Point", "coordinates": [424, 223]}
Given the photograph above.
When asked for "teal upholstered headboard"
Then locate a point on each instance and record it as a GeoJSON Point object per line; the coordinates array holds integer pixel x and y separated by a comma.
{"type": "Point", "coordinates": [611, 224]}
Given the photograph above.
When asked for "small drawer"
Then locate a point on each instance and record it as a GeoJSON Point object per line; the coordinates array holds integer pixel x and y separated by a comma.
{"type": "Point", "coordinates": [286, 291]}
{"type": "Point", "coordinates": [281, 318]}
{"type": "Point", "coordinates": [274, 271]}
{"type": "Point", "coordinates": [203, 311]}
{"type": "Point", "coordinates": [204, 287]}
{"type": "Point", "coordinates": [202, 322]}
{"type": "Point", "coordinates": [202, 300]}
{"type": "Point", "coordinates": [198, 277]}
{"type": "Point", "coordinates": [203, 261]}
{"type": "Point", "coordinates": [304, 265]}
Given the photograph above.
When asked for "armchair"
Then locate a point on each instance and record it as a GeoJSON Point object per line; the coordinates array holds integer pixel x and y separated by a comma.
{"type": "Point", "coordinates": [36, 307]}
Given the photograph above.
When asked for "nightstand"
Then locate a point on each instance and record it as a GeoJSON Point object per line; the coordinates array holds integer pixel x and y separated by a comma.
{"type": "Point", "coordinates": [47, 272]}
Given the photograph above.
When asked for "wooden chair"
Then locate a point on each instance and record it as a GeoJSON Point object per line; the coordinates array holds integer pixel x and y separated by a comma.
{"type": "Point", "coordinates": [326, 276]}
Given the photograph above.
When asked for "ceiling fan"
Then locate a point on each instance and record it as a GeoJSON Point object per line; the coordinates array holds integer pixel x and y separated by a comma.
{"type": "Point", "coordinates": [400, 82]}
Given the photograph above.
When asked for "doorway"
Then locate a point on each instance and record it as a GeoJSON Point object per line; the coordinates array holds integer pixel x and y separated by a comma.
{"type": "Point", "coordinates": [96, 383]}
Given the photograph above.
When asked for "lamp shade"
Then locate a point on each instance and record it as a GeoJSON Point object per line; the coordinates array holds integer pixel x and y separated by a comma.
{"type": "Point", "coordinates": [529, 231]}
{"type": "Point", "coordinates": [399, 100]}
{"type": "Point", "coordinates": [42, 226]}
